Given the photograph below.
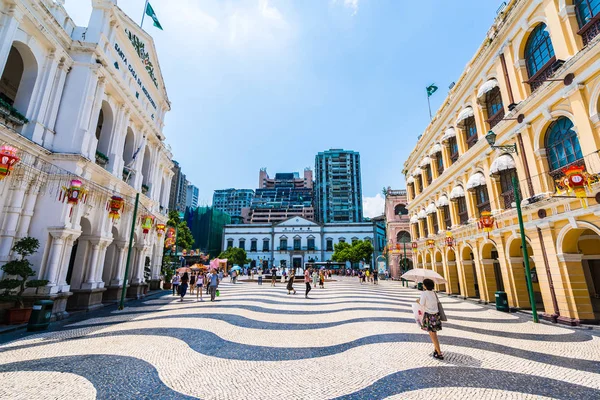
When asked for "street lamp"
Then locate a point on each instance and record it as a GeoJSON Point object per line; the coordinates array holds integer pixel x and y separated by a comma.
{"type": "Point", "coordinates": [491, 139]}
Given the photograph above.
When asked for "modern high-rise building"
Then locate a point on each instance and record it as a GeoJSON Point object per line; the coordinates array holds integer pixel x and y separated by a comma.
{"type": "Point", "coordinates": [338, 187]}
{"type": "Point", "coordinates": [279, 198]}
{"type": "Point", "coordinates": [191, 197]}
{"type": "Point", "coordinates": [178, 189]}
{"type": "Point", "coordinates": [232, 201]}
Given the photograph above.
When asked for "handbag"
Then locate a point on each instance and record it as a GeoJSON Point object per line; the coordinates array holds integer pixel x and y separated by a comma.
{"type": "Point", "coordinates": [441, 311]}
{"type": "Point", "coordinates": [418, 313]}
{"type": "Point", "coordinates": [217, 293]}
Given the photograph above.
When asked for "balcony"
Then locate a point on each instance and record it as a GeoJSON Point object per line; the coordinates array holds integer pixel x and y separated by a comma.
{"type": "Point", "coordinates": [590, 30]}
{"type": "Point", "coordinates": [544, 73]}
{"type": "Point", "coordinates": [496, 118]}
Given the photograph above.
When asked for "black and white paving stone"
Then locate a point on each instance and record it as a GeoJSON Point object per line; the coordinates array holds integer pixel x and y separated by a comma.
{"type": "Point", "coordinates": [256, 342]}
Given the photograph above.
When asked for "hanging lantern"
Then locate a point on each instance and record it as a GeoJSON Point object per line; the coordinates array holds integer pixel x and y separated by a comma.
{"type": "Point", "coordinates": [449, 240]}
{"type": "Point", "coordinates": [486, 222]}
{"type": "Point", "coordinates": [8, 159]}
{"type": "Point", "coordinates": [398, 246]}
{"type": "Point", "coordinates": [415, 245]}
{"type": "Point", "coordinates": [171, 237]}
{"type": "Point", "coordinates": [430, 243]}
{"type": "Point", "coordinates": [115, 206]}
{"type": "Point", "coordinates": [73, 194]}
{"type": "Point", "coordinates": [147, 223]}
{"type": "Point", "coordinates": [577, 180]}
{"type": "Point", "coordinates": [160, 229]}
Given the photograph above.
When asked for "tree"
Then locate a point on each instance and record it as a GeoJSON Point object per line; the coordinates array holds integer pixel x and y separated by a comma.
{"type": "Point", "coordinates": [20, 268]}
{"type": "Point", "coordinates": [359, 250]}
{"type": "Point", "coordinates": [341, 252]}
{"type": "Point", "coordinates": [363, 250]}
{"type": "Point", "coordinates": [185, 239]}
{"type": "Point", "coordinates": [235, 255]}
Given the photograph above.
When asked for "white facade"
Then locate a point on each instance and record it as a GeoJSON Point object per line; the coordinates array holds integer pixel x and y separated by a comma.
{"type": "Point", "coordinates": [299, 234]}
{"type": "Point", "coordinates": [87, 92]}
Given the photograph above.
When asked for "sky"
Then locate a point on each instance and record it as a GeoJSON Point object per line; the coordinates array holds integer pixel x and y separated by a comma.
{"type": "Point", "coordinates": [270, 83]}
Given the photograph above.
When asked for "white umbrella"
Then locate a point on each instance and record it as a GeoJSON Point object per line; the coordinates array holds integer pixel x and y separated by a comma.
{"type": "Point", "coordinates": [420, 274]}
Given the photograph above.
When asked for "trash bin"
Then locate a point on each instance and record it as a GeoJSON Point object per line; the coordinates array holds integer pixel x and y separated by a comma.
{"type": "Point", "coordinates": [420, 285]}
{"type": "Point", "coordinates": [40, 316]}
{"type": "Point", "coordinates": [502, 302]}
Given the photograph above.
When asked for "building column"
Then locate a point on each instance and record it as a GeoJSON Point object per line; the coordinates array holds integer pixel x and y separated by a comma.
{"type": "Point", "coordinates": [90, 273]}
{"type": "Point", "coordinates": [28, 209]}
{"type": "Point", "coordinates": [12, 213]}
{"type": "Point", "coordinates": [138, 270]}
{"type": "Point", "coordinates": [471, 206]}
{"type": "Point", "coordinates": [104, 243]}
{"type": "Point", "coordinates": [115, 153]}
{"type": "Point", "coordinates": [453, 207]}
{"type": "Point", "coordinates": [55, 97]}
{"type": "Point", "coordinates": [119, 270]}
{"type": "Point", "coordinates": [10, 23]}
{"type": "Point", "coordinates": [571, 290]}
{"type": "Point", "coordinates": [90, 143]}
{"type": "Point", "coordinates": [487, 287]}
{"type": "Point", "coordinates": [40, 101]}
{"type": "Point", "coordinates": [461, 140]}
{"type": "Point", "coordinates": [468, 280]}
{"type": "Point", "coordinates": [440, 220]}
{"type": "Point", "coordinates": [54, 260]}
{"type": "Point", "coordinates": [452, 277]}
{"type": "Point", "coordinates": [588, 138]}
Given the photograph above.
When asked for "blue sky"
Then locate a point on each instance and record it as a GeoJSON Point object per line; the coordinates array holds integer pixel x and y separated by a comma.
{"type": "Point", "coordinates": [270, 83]}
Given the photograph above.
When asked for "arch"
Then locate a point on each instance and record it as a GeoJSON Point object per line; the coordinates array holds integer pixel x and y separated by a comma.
{"type": "Point", "coordinates": [538, 51]}
{"type": "Point", "coordinates": [469, 272]}
{"type": "Point", "coordinates": [492, 278]}
{"type": "Point", "coordinates": [420, 260]}
{"type": "Point", "coordinates": [400, 209]}
{"type": "Point", "coordinates": [19, 77]}
{"type": "Point", "coordinates": [104, 128]}
{"type": "Point", "coordinates": [78, 272]}
{"type": "Point", "coordinates": [562, 144]}
{"type": "Point", "coordinates": [146, 167]}
{"type": "Point", "coordinates": [128, 151]}
{"type": "Point", "coordinates": [428, 263]}
{"type": "Point", "coordinates": [111, 261]}
{"type": "Point", "coordinates": [403, 235]}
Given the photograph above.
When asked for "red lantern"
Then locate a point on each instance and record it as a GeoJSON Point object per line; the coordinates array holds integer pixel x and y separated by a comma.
{"type": "Point", "coordinates": [171, 237]}
{"type": "Point", "coordinates": [486, 222]}
{"type": "Point", "coordinates": [449, 240]}
{"type": "Point", "coordinates": [147, 223]}
{"type": "Point", "coordinates": [115, 207]}
{"type": "Point", "coordinates": [430, 243]}
{"type": "Point", "coordinates": [8, 159]}
{"type": "Point", "coordinates": [415, 245]}
{"type": "Point", "coordinates": [160, 229]}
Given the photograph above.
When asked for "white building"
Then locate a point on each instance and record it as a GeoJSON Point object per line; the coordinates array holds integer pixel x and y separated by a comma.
{"type": "Point", "coordinates": [95, 103]}
{"type": "Point", "coordinates": [295, 241]}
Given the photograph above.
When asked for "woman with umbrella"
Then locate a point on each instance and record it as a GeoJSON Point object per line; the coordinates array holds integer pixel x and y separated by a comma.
{"type": "Point", "coordinates": [290, 284]}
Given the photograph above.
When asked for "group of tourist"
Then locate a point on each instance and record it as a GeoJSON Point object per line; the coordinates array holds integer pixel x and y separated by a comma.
{"type": "Point", "coordinates": [197, 282]}
{"type": "Point", "coordinates": [368, 276]}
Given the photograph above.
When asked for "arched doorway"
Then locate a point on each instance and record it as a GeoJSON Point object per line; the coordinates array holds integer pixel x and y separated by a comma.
{"type": "Point", "coordinates": [492, 279]}
{"type": "Point", "coordinates": [452, 273]}
{"type": "Point", "coordinates": [428, 264]}
{"type": "Point", "coordinates": [104, 131]}
{"type": "Point", "coordinates": [520, 293]}
{"type": "Point", "coordinates": [469, 273]}
{"type": "Point", "coordinates": [19, 77]}
{"type": "Point", "coordinates": [128, 151]}
{"type": "Point", "coordinates": [438, 267]}
{"type": "Point", "coordinates": [581, 260]}
{"type": "Point", "coordinates": [80, 257]}
{"type": "Point", "coordinates": [111, 264]}
{"type": "Point", "coordinates": [420, 261]}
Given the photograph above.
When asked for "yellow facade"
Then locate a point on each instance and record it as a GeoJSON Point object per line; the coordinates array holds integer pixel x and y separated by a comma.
{"type": "Point", "coordinates": [514, 74]}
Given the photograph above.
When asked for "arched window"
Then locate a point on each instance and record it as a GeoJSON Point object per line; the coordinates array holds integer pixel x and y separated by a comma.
{"type": "Point", "coordinates": [539, 52]}
{"type": "Point", "coordinates": [588, 12]}
{"type": "Point", "coordinates": [562, 144]}
{"type": "Point", "coordinates": [403, 237]}
{"type": "Point", "coordinates": [470, 131]}
{"type": "Point", "coordinates": [400, 209]}
{"type": "Point", "coordinates": [494, 106]}
{"type": "Point", "coordinates": [17, 81]}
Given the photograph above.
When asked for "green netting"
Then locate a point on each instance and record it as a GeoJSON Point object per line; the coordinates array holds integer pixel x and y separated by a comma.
{"type": "Point", "coordinates": [206, 224]}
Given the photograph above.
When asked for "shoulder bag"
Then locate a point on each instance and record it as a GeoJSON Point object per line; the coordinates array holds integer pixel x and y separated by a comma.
{"type": "Point", "coordinates": [441, 311]}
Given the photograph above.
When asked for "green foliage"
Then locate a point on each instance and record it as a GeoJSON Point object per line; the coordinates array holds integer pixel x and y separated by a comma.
{"type": "Point", "coordinates": [384, 192]}
{"type": "Point", "coordinates": [234, 255]}
{"type": "Point", "coordinates": [20, 268]}
{"type": "Point", "coordinates": [185, 240]}
{"type": "Point", "coordinates": [360, 250]}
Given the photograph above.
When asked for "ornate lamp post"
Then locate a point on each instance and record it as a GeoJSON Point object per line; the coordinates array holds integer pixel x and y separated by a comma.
{"type": "Point", "coordinates": [491, 139]}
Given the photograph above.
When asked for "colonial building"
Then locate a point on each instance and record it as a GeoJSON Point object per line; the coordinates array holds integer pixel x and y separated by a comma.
{"type": "Point", "coordinates": [535, 82]}
{"type": "Point", "coordinates": [399, 245]}
{"type": "Point", "coordinates": [83, 109]}
{"type": "Point", "coordinates": [297, 240]}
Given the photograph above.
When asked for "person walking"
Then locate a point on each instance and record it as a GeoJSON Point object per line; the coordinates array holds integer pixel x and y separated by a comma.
{"type": "Point", "coordinates": [375, 277]}
{"type": "Point", "coordinates": [192, 283]}
{"type": "Point", "coordinates": [183, 287]}
{"type": "Point", "coordinates": [213, 285]}
{"type": "Point", "coordinates": [315, 278]}
{"type": "Point", "coordinates": [199, 285]}
{"type": "Point", "coordinates": [322, 279]}
{"type": "Point", "coordinates": [432, 322]}
{"type": "Point", "coordinates": [176, 281]}
{"type": "Point", "coordinates": [273, 275]}
{"type": "Point", "coordinates": [307, 279]}
{"type": "Point", "coordinates": [290, 284]}
{"type": "Point", "coordinates": [260, 276]}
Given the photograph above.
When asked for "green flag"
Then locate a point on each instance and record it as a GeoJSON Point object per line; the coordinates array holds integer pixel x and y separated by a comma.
{"type": "Point", "coordinates": [431, 89]}
{"type": "Point", "coordinates": [150, 12]}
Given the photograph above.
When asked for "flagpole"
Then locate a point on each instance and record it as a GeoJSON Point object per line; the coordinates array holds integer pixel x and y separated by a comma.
{"type": "Point", "coordinates": [144, 14]}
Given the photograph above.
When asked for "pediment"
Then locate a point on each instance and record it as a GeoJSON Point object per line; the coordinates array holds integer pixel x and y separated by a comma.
{"type": "Point", "coordinates": [297, 221]}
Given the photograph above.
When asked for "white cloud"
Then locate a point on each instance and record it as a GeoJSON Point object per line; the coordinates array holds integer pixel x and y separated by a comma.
{"type": "Point", "coordinates": [351, 4]}
{"type": "Point", "coordinates": [373, 206]}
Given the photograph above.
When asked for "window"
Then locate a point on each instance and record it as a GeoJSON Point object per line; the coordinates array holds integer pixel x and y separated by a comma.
{"type": "Point", "coordinates": [242, 244]}
{"type": "Point", "coordinates": [419, 184]}
{"type": "Point", "coordinates": [297, 244]}
{"type": "Point", "coordinates": [494, 106]}
{"type": "Point", "coordinates": [439, 162]}
{"type": "Point", "coordinates": [253, 246]}
{"type": "Point", "coordinates": [453, 149]}
{"type": "Point", "coordinates": [329, 244]}
{"type": "Point", "coordinates": [283, 244]}
{"type": "Point", "coordinates": [411, 190]}
{"type": "Point", "coordinates": [482, 199]}
{"type": "Point", "coordinates": [400, 209]}
{"type": "Point", "coordinates": [447, 217]}
{"type": "Point", "coordinates": [470, 131]}
{"type": "Point", "coordinates": [311, 243]}
{"type": "Point", "coordinates": [428, 174]}
{"type": "Point", "coordinates": [425, 227]}
{"type": "Point", "coordinates": [588, 12]}
{"type": "Point", "coordinates": [403, 237]}
{"type": "Point", "coordinates": [463, 214]}
{"type": "Point", "coordinates": [506, 187]}
{"type": "Point", "coordinates": [229, 243]}
{"type": "Point", "coordinates": [341, 240]}
{"type": "Point", "coordinates": [539, 52]}
{"type": "Point", "coordinates": [265, 245]}
{"type": "Point", "coordinates": [562, 144]}
{"type": "Point", "coordinates": [436, 226]}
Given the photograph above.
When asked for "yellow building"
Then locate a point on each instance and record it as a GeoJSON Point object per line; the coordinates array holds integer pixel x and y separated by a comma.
{"type": "Point", "coordinates": [535, 82]}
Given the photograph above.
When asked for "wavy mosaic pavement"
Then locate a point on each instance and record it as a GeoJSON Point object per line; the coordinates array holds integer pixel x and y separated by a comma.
{"type": "Point", "coordinates": [256, 342]}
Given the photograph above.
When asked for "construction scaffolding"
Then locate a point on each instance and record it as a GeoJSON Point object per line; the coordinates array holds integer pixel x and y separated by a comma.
{"type": "Point", "coordinates": [206, 224]}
